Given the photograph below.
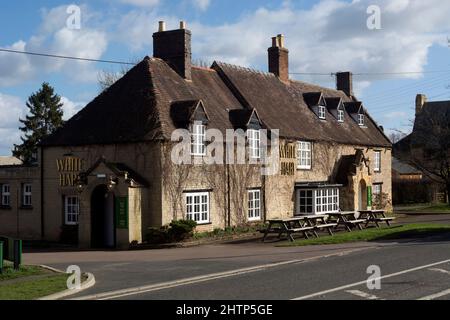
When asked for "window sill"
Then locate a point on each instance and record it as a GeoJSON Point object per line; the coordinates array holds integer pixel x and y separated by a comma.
{"type": "Point", "coordinates": [26, 208]}
{"type": "Point", "coordinates": [304, 169]}
{"type": "Point", "coordinates": [5, 207]}
{"type": "Point", "coordinates": [204, 224]}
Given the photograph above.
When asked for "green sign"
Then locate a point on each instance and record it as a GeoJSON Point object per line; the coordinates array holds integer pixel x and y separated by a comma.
{"type": "Point", "coordinates": [121, 212]}
{"type": "Point", "coordinates": [369, 197]}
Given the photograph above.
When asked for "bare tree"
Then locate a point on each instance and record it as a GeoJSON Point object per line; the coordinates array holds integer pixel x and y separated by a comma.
{"type": "Point", "coordinates": [106, 78]}
{"type": "Point", "coordinates": [430, 146]}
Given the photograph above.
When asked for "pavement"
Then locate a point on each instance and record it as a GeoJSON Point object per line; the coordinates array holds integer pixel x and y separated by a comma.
{"type": "Point", "coordinates": [411, 269]}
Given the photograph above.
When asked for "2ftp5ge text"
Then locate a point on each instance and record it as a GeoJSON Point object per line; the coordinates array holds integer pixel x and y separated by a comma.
{"type": "Point", "coordinates": [226, 310]}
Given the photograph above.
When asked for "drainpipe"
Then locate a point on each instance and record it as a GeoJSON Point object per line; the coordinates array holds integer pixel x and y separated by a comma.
{"type": "Point", "coordinates": [42, 194]}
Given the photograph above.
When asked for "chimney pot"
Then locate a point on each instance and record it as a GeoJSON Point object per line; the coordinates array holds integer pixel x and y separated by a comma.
{"type": "Point", "coordinates": [421, 99]}
{"type": "Point", "coordinates": [274, 42]}
{"type": "Point", "coordinates": [182, 25]}
{"type": "Point", "coordinates": [280, 40]}
{"type": "Point", "coordinates": [162, 26]}
{"type": "Point", "coordinates": [344, 82]}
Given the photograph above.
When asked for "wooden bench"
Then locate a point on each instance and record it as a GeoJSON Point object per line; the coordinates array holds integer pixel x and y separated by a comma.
{"type": "Point", "coordinates": [329, 227]}
{"type": "Point", "coordinates": [356, 223]}
{"type": "Point", "coordinates": [386, 220]}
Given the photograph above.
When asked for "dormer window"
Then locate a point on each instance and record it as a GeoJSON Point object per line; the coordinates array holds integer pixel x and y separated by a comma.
{"type": "Point", "coordinates": [361, 119]}
{"type": "Point", "coordinates": [198, 139]}
{"type": "Point", "coordinates": [340, 115]}
{"type": "Point", "coordinates": [322, 112]}
{"type": "Point", "coordinates": [254, 143]}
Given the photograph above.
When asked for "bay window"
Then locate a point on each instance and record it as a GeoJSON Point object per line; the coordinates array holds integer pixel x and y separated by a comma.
{"type": "Point", "coordinates": [317, 201]}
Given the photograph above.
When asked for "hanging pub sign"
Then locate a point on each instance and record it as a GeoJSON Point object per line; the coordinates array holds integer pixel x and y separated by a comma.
{"type": "Point", "coordinates": [288, 158]}
{"type": "Point", "coordinates": [69, 168]}
{"type": "Point", "coordinates": [121, 212]}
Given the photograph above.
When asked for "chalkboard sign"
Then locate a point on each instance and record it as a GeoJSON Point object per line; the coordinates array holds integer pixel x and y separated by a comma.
{"type": "Point", "coordinates": [121, 212]}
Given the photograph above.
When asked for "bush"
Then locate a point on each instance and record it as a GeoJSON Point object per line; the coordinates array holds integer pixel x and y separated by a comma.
{"type": "Point", "coordinates": [181, 229]}
{"type": "Point", "coordinates": [157, 236]}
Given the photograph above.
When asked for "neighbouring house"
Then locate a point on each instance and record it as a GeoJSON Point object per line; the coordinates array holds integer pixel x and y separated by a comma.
{"type": "Point", "coordinates": [107, 175]}
{"type": "Point", "coordinates": [411, 183]}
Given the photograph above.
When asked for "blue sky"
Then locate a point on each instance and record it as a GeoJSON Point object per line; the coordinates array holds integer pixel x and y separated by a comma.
{"type": "Point", "coordinates": [323, 36]}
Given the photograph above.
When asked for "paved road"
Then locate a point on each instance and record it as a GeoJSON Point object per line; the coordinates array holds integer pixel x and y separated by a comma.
{"type": "Point", "coordinates": [412, 270]}
{"type": "Point", "coordinates": [262, 271]}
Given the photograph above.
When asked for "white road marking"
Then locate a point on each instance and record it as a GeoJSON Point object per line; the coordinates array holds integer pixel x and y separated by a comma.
{"type": "Point", "coordinates": [321, 293]}
{"type": "Point", "coordinates": [436, 295]}
{"type": "Point", "coordinates": [177, 283]}
{"type": "Point", "coordinates": [362, 294]}
{"type": "Point", "coordinates": [440, 270]}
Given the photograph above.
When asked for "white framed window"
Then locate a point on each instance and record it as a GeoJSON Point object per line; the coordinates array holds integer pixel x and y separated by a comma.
{"type": "Point", "coordinates": [361, 119]}
{"type": "Point", "coordinates": [377, 189]}
{"type": "Point", "coordinates": [304, 156]}
{"type": "Point", "coordinates": [6, 195]}
{"type": "Point", "coordinates": [254, 205]}
{"type": "Point", "coordinates": [341, 115]}
{"type": "Point", "coordinates": [27, 195]}
{"type": "Point", "coordinates": [198, 142]}
{"type": "Point", "coordinates": [254, 143]}
{"type": "Point", "coordinates": [197, 207]}
{"type": "Point", "coordinates": [322, 112]}
{"type": "Point", "coordinates": [71, 210]}
{"type": "Point", "coordinates": [319, 201]}
{"type": "Point", "coordinates": [377, 164]}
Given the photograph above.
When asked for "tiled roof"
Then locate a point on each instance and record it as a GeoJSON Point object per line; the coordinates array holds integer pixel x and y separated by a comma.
{"type": "Point", "coordinates": [10, 161]}
{"type": "Point", "coordinates": [140, 107]}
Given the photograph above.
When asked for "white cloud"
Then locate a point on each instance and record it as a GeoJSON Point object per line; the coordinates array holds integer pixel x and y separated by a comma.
{"type": "Point", "coordinates": [11, 110]}
{"type": "Point", "coordinates": [202, 4]}
{"type": "Point", "coordinates": [142, 3]}
{"type": "Point", "coordinates": [70, 107]}
{"type": "Point", "coordinates": [54, 37]}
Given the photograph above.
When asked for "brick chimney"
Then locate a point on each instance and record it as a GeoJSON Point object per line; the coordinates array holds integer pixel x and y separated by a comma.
{"type": "Point", "coordinates": [421, 99]}
{"type": "Point", "coordinates": [344, 82]}
{"type": "Point", "coordinates": [174, 47]}
{"type": "Point", "coordinates": [279, 58]}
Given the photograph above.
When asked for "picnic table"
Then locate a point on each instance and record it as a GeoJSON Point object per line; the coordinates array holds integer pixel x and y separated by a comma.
{"type": "Point", "coordinates": [302, 224]}
{"type": "Point", "coordinates": [348, 220]}
{"type": "Point", "coordinates": [376, 217]}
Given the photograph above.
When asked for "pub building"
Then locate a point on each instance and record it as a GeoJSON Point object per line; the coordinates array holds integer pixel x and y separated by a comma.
{"type": "Point", "coordinates": [106, 177]}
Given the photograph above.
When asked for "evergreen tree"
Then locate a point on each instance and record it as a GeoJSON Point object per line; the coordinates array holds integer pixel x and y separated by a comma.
{"type": "Point", "coordinates": [44, 117]}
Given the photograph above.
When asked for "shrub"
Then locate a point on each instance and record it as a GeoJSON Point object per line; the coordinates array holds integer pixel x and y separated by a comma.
{"type": "Point", "coordinates": [157, 236]}
{"type": "Point", "coordinates": [181, 229]}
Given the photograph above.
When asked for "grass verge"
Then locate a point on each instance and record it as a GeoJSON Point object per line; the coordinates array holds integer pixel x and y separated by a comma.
{"type": "Point", "coordinates": [34, 289]}
{"type": "Point", "coordinates": [425, 208]}
{"type": "Point", "coordinates": [30, 282]}
{"type": "Point", "coordinates": [393, 233]}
